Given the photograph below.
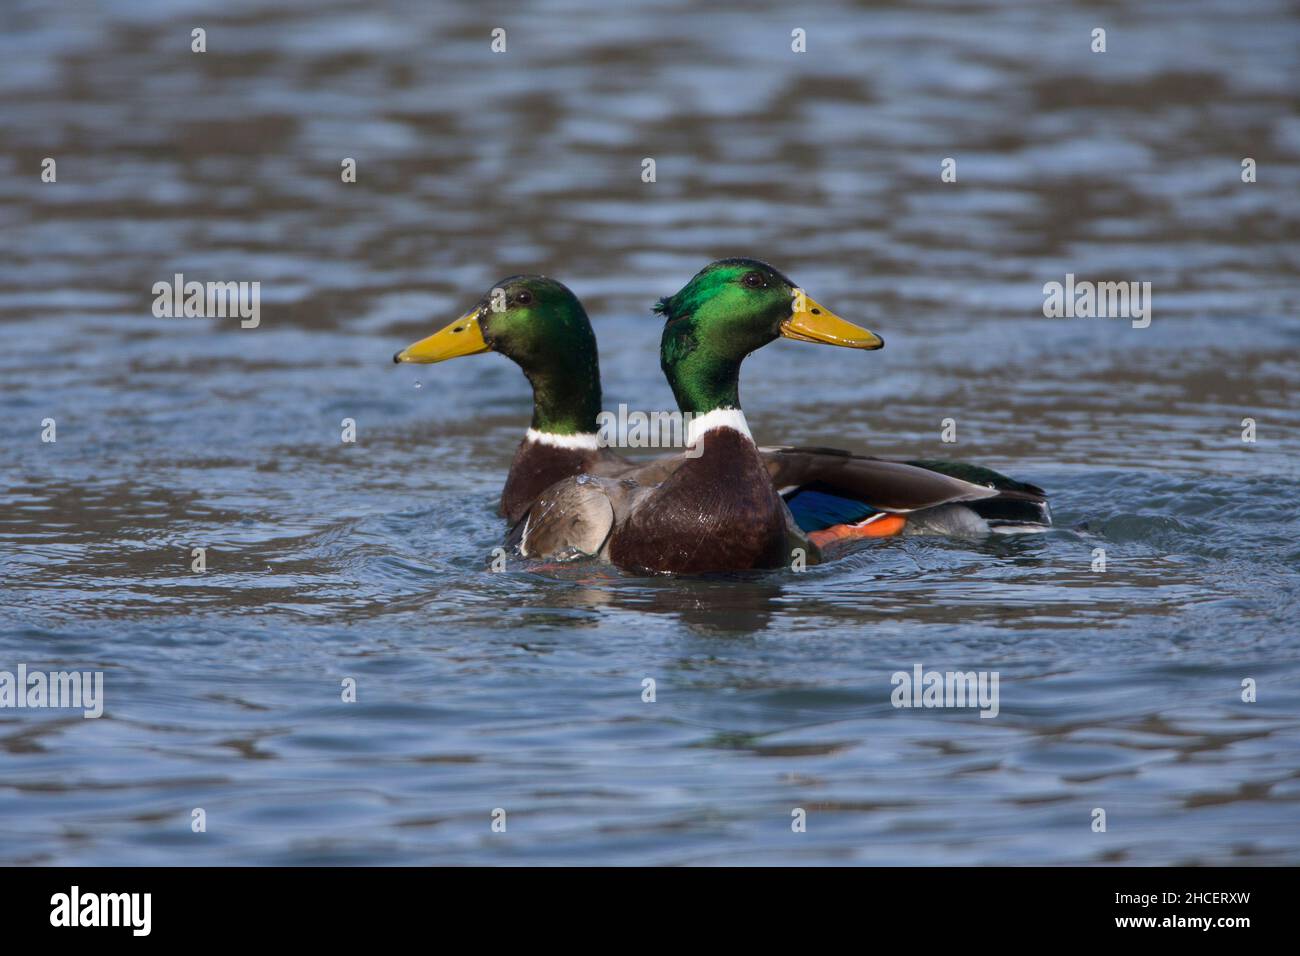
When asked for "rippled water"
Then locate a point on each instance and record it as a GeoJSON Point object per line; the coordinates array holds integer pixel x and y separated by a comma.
{"type": "Point", "coordinates": [522, 690]}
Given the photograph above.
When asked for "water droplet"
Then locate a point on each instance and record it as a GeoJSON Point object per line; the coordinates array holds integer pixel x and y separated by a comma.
{"type": "Point", "coordinates": [419, 384]}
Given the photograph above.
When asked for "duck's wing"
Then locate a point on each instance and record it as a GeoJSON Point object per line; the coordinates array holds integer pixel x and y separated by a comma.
{"type": "Point", "coordinates": [1018, 505]}
{"type": "Point", "coordinates": [885, 485]}
{"type": "Point", "coordinates": [981, 476]}
{"type": "Point", "coordinates": [569, 520]}
{"type": "Point", "coordinates": [829, 486]}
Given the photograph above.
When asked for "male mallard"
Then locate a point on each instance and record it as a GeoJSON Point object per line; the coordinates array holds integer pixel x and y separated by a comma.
{"type": "Point", "coordinates": [541, 325]}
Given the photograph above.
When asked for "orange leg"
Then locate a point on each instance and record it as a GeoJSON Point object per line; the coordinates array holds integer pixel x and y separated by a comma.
{"type": "Point", "coordinates": [877, 526]}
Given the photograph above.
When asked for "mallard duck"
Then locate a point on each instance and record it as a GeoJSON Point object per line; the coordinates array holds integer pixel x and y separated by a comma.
{"type": "Point", "coordinates": [827, 495]}
{"type": "Point", "coordinates": [541, 326]}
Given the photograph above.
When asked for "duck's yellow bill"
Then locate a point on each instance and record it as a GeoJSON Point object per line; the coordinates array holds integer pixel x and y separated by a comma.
{"type": "Point", "coordinates": [462, 337]}
{"type": "Point", "coordinates": [815, 323]}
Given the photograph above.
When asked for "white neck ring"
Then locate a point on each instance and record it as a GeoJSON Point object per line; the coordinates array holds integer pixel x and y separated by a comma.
{"type": "Point", "coordinates": [582, 441]}
{"type": "Point", "coordinates": [732, 418]}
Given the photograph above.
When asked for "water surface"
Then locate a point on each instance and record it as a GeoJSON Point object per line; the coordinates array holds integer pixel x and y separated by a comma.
{"type": "Point", "coordinates": [522, 689]}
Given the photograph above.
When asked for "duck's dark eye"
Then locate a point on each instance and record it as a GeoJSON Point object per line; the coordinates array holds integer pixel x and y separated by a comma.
{"type": "Point", "coordinates": [753, 280]}
{"type": "Point", "coordinates": [524, 298]}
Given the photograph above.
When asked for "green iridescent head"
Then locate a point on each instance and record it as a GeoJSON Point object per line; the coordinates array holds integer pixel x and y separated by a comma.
{"type": "Point", "coordinates": [541, 326]}
{"type": "Point", "coordinates": [730, 308]}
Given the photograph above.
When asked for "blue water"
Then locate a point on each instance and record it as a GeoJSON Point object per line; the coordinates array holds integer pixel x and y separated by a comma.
{"type": "Point", "coordinates": [522, 689]}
